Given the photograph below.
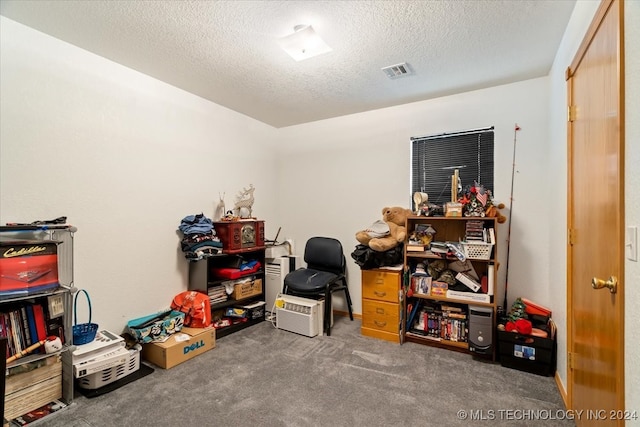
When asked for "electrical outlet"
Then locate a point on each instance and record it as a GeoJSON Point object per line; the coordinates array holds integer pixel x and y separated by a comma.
{"type": "Point", "coordinates": [631, 243]}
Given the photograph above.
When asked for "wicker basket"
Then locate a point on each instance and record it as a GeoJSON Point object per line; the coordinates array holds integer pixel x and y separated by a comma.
{"type": "Point", "coordinates": [477, 250]}
{"type": "Point", "coordinates": [83, 333]}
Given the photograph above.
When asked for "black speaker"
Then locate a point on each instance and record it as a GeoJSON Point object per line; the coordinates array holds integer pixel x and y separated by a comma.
{"type": "Point", "coordinates": [480, 329]}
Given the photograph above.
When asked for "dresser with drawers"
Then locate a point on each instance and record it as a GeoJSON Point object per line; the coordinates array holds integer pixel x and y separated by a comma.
{"type": "Point", "coordinates": [382, 304]}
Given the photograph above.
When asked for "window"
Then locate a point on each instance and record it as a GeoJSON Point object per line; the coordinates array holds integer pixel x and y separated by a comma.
{"type": "Point", "coordinates": [435, 158]}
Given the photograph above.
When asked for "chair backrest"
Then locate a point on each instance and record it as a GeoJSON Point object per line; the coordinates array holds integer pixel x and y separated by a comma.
{"type": "Point", "coordinates": [324, 253]}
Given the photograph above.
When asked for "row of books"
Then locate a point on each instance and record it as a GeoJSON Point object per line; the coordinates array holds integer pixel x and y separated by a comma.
{"type": "Point", "coordinates": [28, 323]}
{"type": "Point", "coordinates": [439, 322]}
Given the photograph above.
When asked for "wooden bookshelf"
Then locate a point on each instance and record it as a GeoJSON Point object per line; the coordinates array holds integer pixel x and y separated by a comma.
{"type": "Point", "coordinates": [483, 258]}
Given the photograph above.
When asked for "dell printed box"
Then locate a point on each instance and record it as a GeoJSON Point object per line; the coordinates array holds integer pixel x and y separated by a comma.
{"type": "Point", "coordinates": [180, 347]}
{"type": "Point", "coordinates": [27, 267]}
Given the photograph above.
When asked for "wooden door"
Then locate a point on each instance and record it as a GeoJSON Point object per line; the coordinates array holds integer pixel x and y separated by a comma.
{"type": "Point", "coordinates": [596, 221]}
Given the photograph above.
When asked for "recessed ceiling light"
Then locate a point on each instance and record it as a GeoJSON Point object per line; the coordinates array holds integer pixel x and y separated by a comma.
{"type": "Point", "coordinates": [304, 43]}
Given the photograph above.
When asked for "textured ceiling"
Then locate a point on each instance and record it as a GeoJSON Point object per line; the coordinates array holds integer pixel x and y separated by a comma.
{"type": "Point", "coordinates": [226, 51]}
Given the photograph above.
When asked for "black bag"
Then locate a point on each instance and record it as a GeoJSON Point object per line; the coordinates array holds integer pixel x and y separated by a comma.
{"type": "Point", "coordinates": [368, 259]}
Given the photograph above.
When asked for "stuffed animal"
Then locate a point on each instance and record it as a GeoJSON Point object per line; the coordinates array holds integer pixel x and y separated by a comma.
{"type": "Point", "coordinates": [378, 237]}
{"type": "Point", "coordinates": [492, 211]}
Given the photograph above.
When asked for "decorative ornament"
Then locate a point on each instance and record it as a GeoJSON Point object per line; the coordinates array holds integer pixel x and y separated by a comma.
{"type": "Point", "coordinates": [244, 202]}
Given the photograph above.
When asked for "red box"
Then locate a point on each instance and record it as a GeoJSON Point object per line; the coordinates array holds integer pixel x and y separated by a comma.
{"type": "Point", "coordinates": [238, 235]}
{"type": "Point", "coordinates": [27, 267]}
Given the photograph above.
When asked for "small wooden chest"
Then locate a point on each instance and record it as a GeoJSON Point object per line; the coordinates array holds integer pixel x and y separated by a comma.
{"type": "Point", "coordinates": [239, 235]}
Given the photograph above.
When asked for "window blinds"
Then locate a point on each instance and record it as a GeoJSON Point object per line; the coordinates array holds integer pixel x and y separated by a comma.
{"type": "Point", "coordinates": [435, 158]}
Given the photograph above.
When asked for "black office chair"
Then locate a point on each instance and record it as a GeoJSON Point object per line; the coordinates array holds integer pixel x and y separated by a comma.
{"type": "Point", "coordinates": [324, 275]}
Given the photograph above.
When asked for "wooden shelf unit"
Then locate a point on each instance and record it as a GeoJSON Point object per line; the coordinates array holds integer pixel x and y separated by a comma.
{"type": "Point", "coordinates": [28, 384]}
{"type": "Point", "coordinates": [449, 229]}
{"type": "Point", "coordinates": [202, 277]}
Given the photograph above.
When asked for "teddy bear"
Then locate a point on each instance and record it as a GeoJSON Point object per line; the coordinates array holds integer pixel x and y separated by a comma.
{"type": "Point", "coordinates": [387, 233]}
{"type": "Point", "coordinates": [492, 211]}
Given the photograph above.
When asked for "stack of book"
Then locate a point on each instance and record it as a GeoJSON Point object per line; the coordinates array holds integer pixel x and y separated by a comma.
{"type": "Point", "coordinates": [475, 231]}
{"type": "Point", "coordinates": [413, 246]}
{"type": "Point", "coordinates": [217, 294]}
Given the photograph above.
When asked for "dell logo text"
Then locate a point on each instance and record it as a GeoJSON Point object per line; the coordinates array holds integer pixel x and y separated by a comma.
{"type": "Point", "coordinates": [193, 346]}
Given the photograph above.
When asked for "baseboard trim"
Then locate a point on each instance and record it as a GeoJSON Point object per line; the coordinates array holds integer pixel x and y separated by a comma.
{"type": "Point", "coordinates": [346, 314]}
{"type": "Point", "coordinates": [561, 389]}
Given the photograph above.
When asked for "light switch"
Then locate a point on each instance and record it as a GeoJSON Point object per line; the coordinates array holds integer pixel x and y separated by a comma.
{"type": "Point", "coordinates": [631, 243]}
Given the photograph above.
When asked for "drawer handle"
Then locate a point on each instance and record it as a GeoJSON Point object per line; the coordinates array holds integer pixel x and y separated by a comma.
{"type": "Point", "coordinates": [379, 294]}
{"type": "Point", "coordinates": [381, 324]}
{"type": "Point", "coordinates": [380, 310]}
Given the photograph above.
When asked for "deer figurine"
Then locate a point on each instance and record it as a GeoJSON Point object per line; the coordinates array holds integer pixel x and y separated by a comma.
{"type": "Point", "coordinates": [220, 208]}
{"type": "Point", "coordinates": [244, 202]}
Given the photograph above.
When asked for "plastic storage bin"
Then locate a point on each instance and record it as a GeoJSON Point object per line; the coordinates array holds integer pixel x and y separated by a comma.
{"type": "Point", "coordinates": [109, 375]}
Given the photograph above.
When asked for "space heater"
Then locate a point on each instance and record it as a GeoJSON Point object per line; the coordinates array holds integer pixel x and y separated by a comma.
{"type": "Point", "coordinates": [275, 271]}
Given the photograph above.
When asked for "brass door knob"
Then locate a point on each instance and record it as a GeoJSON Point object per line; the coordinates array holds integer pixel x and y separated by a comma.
{"type": "Point", "coordinates": [612, 284]}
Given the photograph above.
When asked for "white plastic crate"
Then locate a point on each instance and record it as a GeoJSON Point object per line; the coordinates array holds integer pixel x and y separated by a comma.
{"type": "Point", "coordinates": [477, 250]}
{"type": "Point", "coordinates": [107, 376]}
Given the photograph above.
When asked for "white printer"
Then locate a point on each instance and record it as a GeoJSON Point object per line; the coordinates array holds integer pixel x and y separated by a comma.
{"type": "Point", "coordinates": [105, 351]}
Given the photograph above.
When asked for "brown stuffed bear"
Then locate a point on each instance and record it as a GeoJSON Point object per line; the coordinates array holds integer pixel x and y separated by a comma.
{"type": "Point", "coordinates": [492, 211]}
{"type": "Point", "coordinates": [388, 233]}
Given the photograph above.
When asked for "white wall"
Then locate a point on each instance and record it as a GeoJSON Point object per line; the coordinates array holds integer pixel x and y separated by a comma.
{"type": "Point", "coordinates": [337, 174]}
{"type": "Point", "coordinates": [125, 157]}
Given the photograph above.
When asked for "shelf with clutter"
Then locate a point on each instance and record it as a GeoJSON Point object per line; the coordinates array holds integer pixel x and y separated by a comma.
{"type": "Point", "coordinates": [231, 272]}
{"type": "Point", "coordinates": [35, 315]}
{"type": "Point", "coordinates": [450, 260]}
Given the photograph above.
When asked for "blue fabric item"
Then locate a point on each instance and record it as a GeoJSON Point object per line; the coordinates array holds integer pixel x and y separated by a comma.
{"type": "Point", "coordinates": [248, 265]}
{"type": "Point", "coordinates": [193, 224]}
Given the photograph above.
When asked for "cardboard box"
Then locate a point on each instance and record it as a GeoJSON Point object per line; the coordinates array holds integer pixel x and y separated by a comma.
{"type": "Point", "coordinates": [28, 267]}
{"type": "Point", "coordinates": [180, 347]}
{"type": "Point", "coordinates": [453, 209]}
{"type": "Point", "coordinates": [247, 289]}
{"type": "Point", "coordinates": [439, 288]}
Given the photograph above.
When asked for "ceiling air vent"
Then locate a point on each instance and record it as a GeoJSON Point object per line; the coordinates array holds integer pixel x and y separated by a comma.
{"type": "Point", "coordinates": [398, 70]}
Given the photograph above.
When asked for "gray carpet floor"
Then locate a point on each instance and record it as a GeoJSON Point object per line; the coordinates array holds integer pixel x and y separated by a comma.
{"type": "Point", "coordinates": [262, 376]}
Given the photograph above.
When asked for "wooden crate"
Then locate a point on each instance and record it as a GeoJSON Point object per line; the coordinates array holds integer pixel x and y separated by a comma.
{"type": "Point", "coordinates": [26, 391]}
